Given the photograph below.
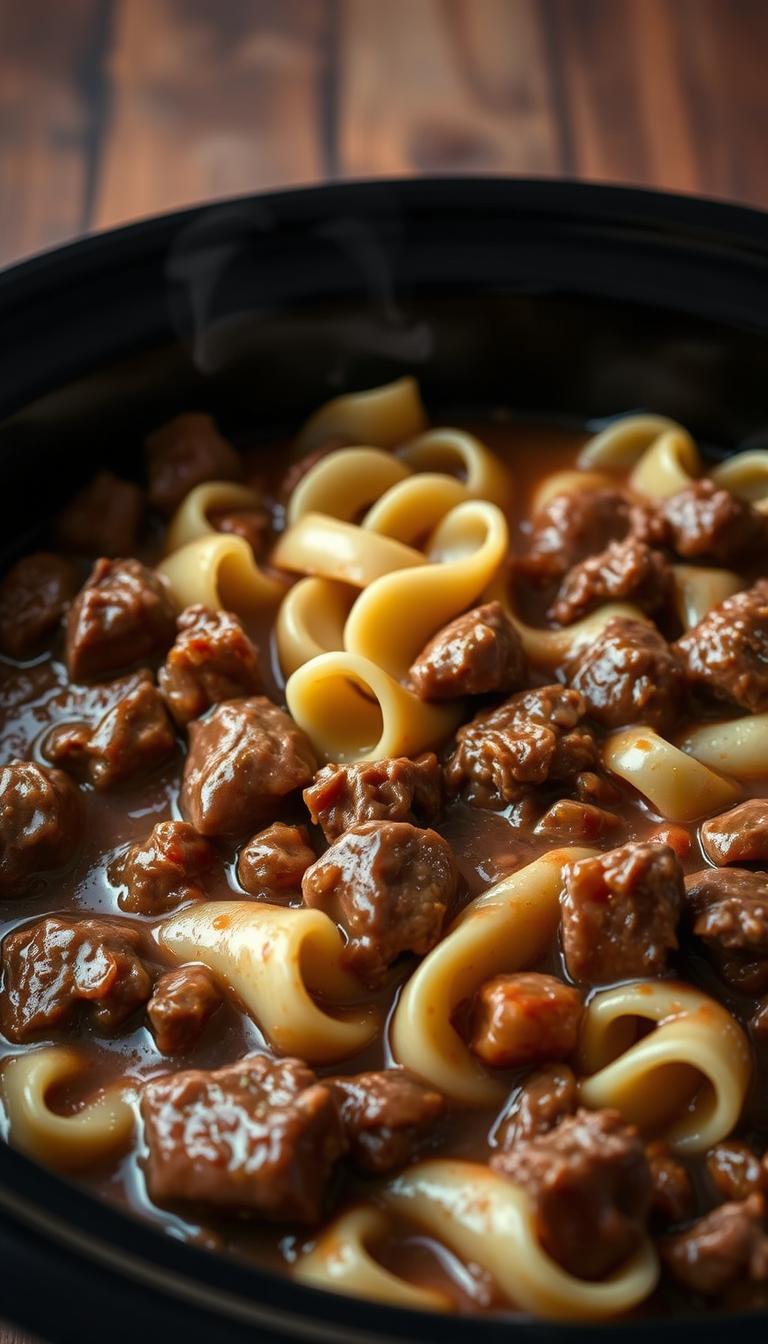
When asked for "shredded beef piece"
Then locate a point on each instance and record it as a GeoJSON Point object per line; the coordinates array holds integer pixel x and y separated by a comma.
{"type": "Point", "coordinates": [386, 1117]}
{"type": "Point", "coordinates": [571, 527]}
{"type": "Point", "coordinates": [626, 571]}
{"type": "Point", "coordinates": [162, 871]}
{"type": "Point", "coordinates": [477, 653]}
{"type": "Point", "coordinates": [728, 910]}
{"type": "Point", "coordinates": [273, 862]}
{"type": "Point", "coordinates": [737, 836]}
{"type": "Point", "coordinates": [620, 912]}
{"type": "Point", "coordinates": [34, 594]}
{"type": "Point", "coordinates": [389, 886]}
{"type": "Point", "coordinates": [589, 1183]}
{"type": "Point", "coordinates": [184, 453]}
{"type": "Point", "coordinates": [705, 522]}
{"type": "Point", "coordinates": [121, 616]}
{"type": "Point", "coordinates": [718, 1251]}
{"type": "Point", "coordinates": [393, 789]}
{"type": "Point", "coordinates": [576, 823]}
{"type": "Point", "coordinates": [253, 525]}
{"type": "Point", "coordinates": [182, 1002]}
{"type": "Point", "coordinates": [546, 1097]}
{"type": "Point", "coordinates": [735, 1170]}
{"type": "Point", "coordinates": [260, 1137]}
{"type": "Point", "coordinates": [524, 1018]}
{"type": "Point", "coordinates": [212, 660]}
{"type": "Point", "coordinates": [41, 815]}
{"type": "Point", "coordinates": [244, 759]}
{"type": "Point", "coordinates": [104, 518]}
{"type": "Point", "coordinates": [133, 737]}
{"type": "Point", "coordinates": [57, 965]}
{"type": "Point", "coordinates": [727, 652]}
{"type": "Point", "coordinates": [628, 674]}
{"type": "Point", "coordinates": [672, 1189]}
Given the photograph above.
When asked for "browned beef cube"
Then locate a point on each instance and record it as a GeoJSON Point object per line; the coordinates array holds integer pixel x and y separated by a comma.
{"type": "Point", "coordinates": [162, 871]}
{"type": "Point", "coordinates": [122, 616]}
{"type": "Point", "coordinates": [626, 571]}
{"type": "Point", "coordinates": [182, 1002]}
{"type": "Point", "coordinates": [104, 518]}
{"type": "Point", "coordinates": [57, 965]}
{"type": "Point", "coordinates": [628, 674]}
{"type": "Point", "coordinates": [244, 759]}
{"type": "Point", "coordinates": [575, 823]}
{"type": "Point", "coordinates": [477, 653]}
{"type": "Point", "coordinates": [705, 522]}
{"type": "Point", "coordinates": [672, 1188]}
{"type": "Point", "coordinates": [389, 885]}
{"type": "Point", "coordinates": [253, 525]}
{"type": "Point", "coordinates": [620, 912]}
{"type": "Point", "coordinates": [212, 660]}
{"type": "Point", "coordinates": [546, 1097]}
{"type": "Point", "coordinates": [133, 737]}
{"type": "Point", "coordinates": [41, 816]}
{"type": "Point", "coordinates": [184, 453]}
{"type": "Point", "coordinates": [273, 862]}
{"type": "Point", "coordinates": [737, 836]}
{"type": "Point", "coordinates": [573, 526]}
{"type": "Point", "coordinates": [394, 789]}
{"type": "Point", "coordinates": [735, 1170]}
{"type": "Point", "coordinates": [34, 595]}
{"type": "Point", "coordinates": [526, 1018]}
{"type": "Point", "coordinates": [386, 1117]}
{"type": "Point", "coordinates": [259, 1137]}
{"type": "Point", "coordinates": [727, 652]}
{"type": "Point", "coordinates": [727, 1247]}
{"type": "Point", "coordinates": [532, 738]}
{"type": "Point", "coordinates": [589, 1183]}
{"type": "Point", "coordinates": [728, 910]}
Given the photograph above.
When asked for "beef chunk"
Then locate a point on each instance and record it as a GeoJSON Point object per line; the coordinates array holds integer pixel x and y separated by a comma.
{"type": "Point", "coordinates": [628, 674]}
{"type": "Point", "coordinates": [727, 652]}
{"type": "Point", "coordinates": [55, 966]}
{"type": "Point", "coordinates": [184, 453]}
{"type": "Point", "coordinates": [705, 522]}
{"type": "Point", "coordinates": [728, 911]}
{"type": "Point", "coordinates": [258, 1137]}
{"type": "Point", "coordinates": [104, 518]}
{"type": "Point", "coordinates": [389, 886]}
{"type": "Point", "coordinates": [721, 1250]}
{"type": "Point", "coordinates": [163, 870]}
{"type": "Point", "coordinates": [394, 789]}
{"type": "Point", "coordinates": [122, 616]}
{"type": "Point", "coordinates": [181, 1004]}
{"type": "Point", "coordinates": [620, 912]}
{"type": "Point", "coordinates": [576, 823]}
{"type": "Point", "coordinates": [273, 862]}
{"type": "Point", "coordinates": [589, 1183]}
{"type": "Point", "coordinates": [477, 653]}
{"type": "Point", "coordinates": [628, 571]}
{"type": "Point", "coordinates": [737, 836]}
{"type": "Point", "coordinates": [596, 789]}
{"type": "Point", "coordinates": [244, 759]}
{"type": "Point", "coordinates": [672, 1189]}
{"type": "Point", "coordinates": [386, 1116]}
{"type": "Point", "coordinates": [253, 525]}
{"type": "Point", "coordinates": [571, 527]}
{"type": "Point", "coordinates": [134, 736]}
{"type": "Point", "coordinates": [534, 737]}
{"type": "Point", "coordinates": [33, 598]}
{"type": "Point", "coordinates": [735, 1170]}
{"type": "Point", "coordinates": [525, 1018]}
{"type": "Point", "coordinates": [546, 1097]}
{"type": "Point", "coordinates": [40, 823]}
{"type": "Point", "coordinates": [212, 660]}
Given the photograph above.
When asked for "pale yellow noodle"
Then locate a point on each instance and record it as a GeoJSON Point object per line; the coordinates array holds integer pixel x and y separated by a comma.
{"type": "Point", "coordinates": [382, 416]}
{"type": "Point", "coordinates": [344, 483]}
{"type": "Point", "coordinates": [99, 1129]}
{"type": "Point", "coordinates": [310, 621]}
{"type": "Point", "coordinates": [410, 511]}
{"type": "Point", "coordinates": [746, 476]}
{"type": "Point", "coordinates": [698, 589]}
{"type": "Point", "coordinates": [621, 443]}
{"type": "Point", "coordinates": [332, 549]}
{"type": "Point", "coordinates": [678, 787]}
{"type": "Point", "coordinates": [739, 746]}
{"type": "Point", "coordinates": [342, 1262]}
{"type": "Point", "coordinates": [191, 519]}
{"type": "Point", "coordinates": [569, 482]}
{"type": "Point", "coordinates": [669, 465]}
{"type": "Point", "coordinates": [219, 571]}
{"type": "Point", "coordinates": [457, 452]}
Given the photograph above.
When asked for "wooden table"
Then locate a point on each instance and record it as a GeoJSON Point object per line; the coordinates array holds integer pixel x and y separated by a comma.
{"type": "Point", "coordinates": [114, 109]}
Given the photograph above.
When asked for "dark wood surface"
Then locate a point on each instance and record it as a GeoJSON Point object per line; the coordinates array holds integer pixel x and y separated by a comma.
{"type": "Point", "coordinates": [114, 109]}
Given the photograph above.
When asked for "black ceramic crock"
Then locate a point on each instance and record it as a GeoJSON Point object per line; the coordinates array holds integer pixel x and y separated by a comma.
{"type": "Point", "coordinates": [554, 299]}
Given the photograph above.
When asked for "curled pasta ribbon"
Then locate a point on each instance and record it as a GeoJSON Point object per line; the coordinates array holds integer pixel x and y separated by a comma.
{"type": "Point", "coordinates": [746, 476]}
{"type": "Point", "coordinates": [569, 483]}
{"type": "Point", "coordinates": [669, 465]}
{"type": "Point", "coordinates": [687, 1078]}
{"type": "Point", "coordinates": [275, 959]}
{"type": "Point", "coordinates": [697, 590]}
{"type": "Point", "coordinates": [99, 1129]}
{"type": "Point", "coordinates": [679, 787]}
{"type": "Point", "coordinates": [551, 649]}
{"type": "Point", "coordinates": [456, 452]}
{"type": "Point", "coordinates": [738, 745]}
{"type": "Point", "coordinates": [310, 621]}
{"type": "Point", "coordinates": [621, 443]}
{"type": "Point", "coordinates": [383, 416]}
{"type": "Point", "coordinates": [411, 510]}
{"type": "Point", "coordinates": [342, 1262]}
{"type": "Point", "coordinates": [508, 928]}
{"type": "Point", "coordinates": [191, 519]}
{"type": "Point", "coordinates": [345, 482]}
{"type": "Point", "coordinates": [220, 572]}
{"type": "Point", "coordinates": [332, 549]}
{"type": "Point", "coordinates": [393, 618]}
{"type": "Point", "coordinates": [352, 710]}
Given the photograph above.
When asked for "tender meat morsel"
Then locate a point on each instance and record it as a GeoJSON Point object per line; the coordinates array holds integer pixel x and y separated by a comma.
{"type": "Point", "coordinates": [626, 571]}
{"type": "Point", "coordinates": [477, 653]}
{"type": "Point", "coordinates": [725, 1248]}
{"type": "Point", "coordinates": [727, 652]}
{"type": "Point", "coordinates": [244, 758]}
{"type": "Point", "coordinates": [735, 1170]}
{"type": "Point", "coordinates": [589, 1184]}
{"type": "Point", "coordinates": [393, 789]}
{"type": "Point", "coordinates": [259, 1137]}
{"type": "Point", "coordinates": [571, 527]}
{"type": "Point", "coordinates": [253, 525]}
{"type": "Point", "coordinates": [545, 1098]}
{"type": "Point", "coordinates": [533, 737]}
{"type": "Point", "coordinates": [273, 862]}
{"type": "Point", "coordinates": [620, 912]}
{"type": "Point", "coordinates": [160, 872]}
{"type": "Point", "coordinates": [41, 815]}
{"type": "Point", "coordinates": [104, 518]}
{"type": "Point", "coordinates": [184, 453]}
{"type": "Point", "coordinates": [386, 1116]}
{"type": "Point", "coordinates": [628, 674]}
{"type": "Point", "coordinates": [738, 836]}
{"type": "Point", "coordinates": [525, 1018]}
{"type": "Point", "coordinates": [703, 521]}
{"type": "Point", "coordinates": [212, 660]}
{"type": "Point", "coordinates": [133, 737]}
{"type": "Point", "coordinates": [728, 910]}
{"type": "Point", "coordinates": [576, 823]}
{"type": "Point", "coordinates": [121, 616]}
{"type": "Point", "coordinates": [389, 885]}
{"type": "Point", "coordinates": [56, 965]}
{"type": "Point", "coordinates": [182, 1002]}
{"type": "Point", "coordinates": [34, 594]}
{"type": "Point", "coordinates": [672, 1189]}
